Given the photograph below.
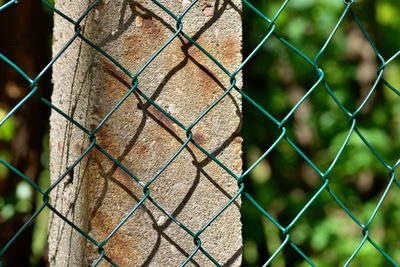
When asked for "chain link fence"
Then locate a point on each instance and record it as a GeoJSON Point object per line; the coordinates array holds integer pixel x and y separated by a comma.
{"type": "Point", "coordinates": [280, 125]}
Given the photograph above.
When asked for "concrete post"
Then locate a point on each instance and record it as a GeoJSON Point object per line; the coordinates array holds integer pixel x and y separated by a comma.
{"type": "Point", "coordinates": [98, 194]}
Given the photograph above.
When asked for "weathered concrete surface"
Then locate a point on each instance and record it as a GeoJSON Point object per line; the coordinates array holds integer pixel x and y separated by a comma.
{"type": "Point", "coordinates": [183, 81]}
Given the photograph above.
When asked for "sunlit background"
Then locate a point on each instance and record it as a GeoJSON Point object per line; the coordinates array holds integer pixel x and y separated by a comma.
{"type": "Point", "coordinates": [284, 182]}
{"type": "Point", "coordinates": [277, 78]}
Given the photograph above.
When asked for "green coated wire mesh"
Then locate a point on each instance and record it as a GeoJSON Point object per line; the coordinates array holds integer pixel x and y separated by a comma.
{"type": "Point", "coordinates": [280, 125]}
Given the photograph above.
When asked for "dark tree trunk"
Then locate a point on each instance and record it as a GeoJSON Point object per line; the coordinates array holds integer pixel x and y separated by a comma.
{"type": "Point", "coordinates": [25, 39]}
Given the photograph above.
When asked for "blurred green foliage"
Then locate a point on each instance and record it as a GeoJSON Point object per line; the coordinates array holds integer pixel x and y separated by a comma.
{"type": "Point", "coordinates": [283, 183]}
{"type": "Point", "coordinates": [20, 202]}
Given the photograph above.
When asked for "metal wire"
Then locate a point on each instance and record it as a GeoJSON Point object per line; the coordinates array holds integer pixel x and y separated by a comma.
{"type": "Point", "coordinates": [231, 76]}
